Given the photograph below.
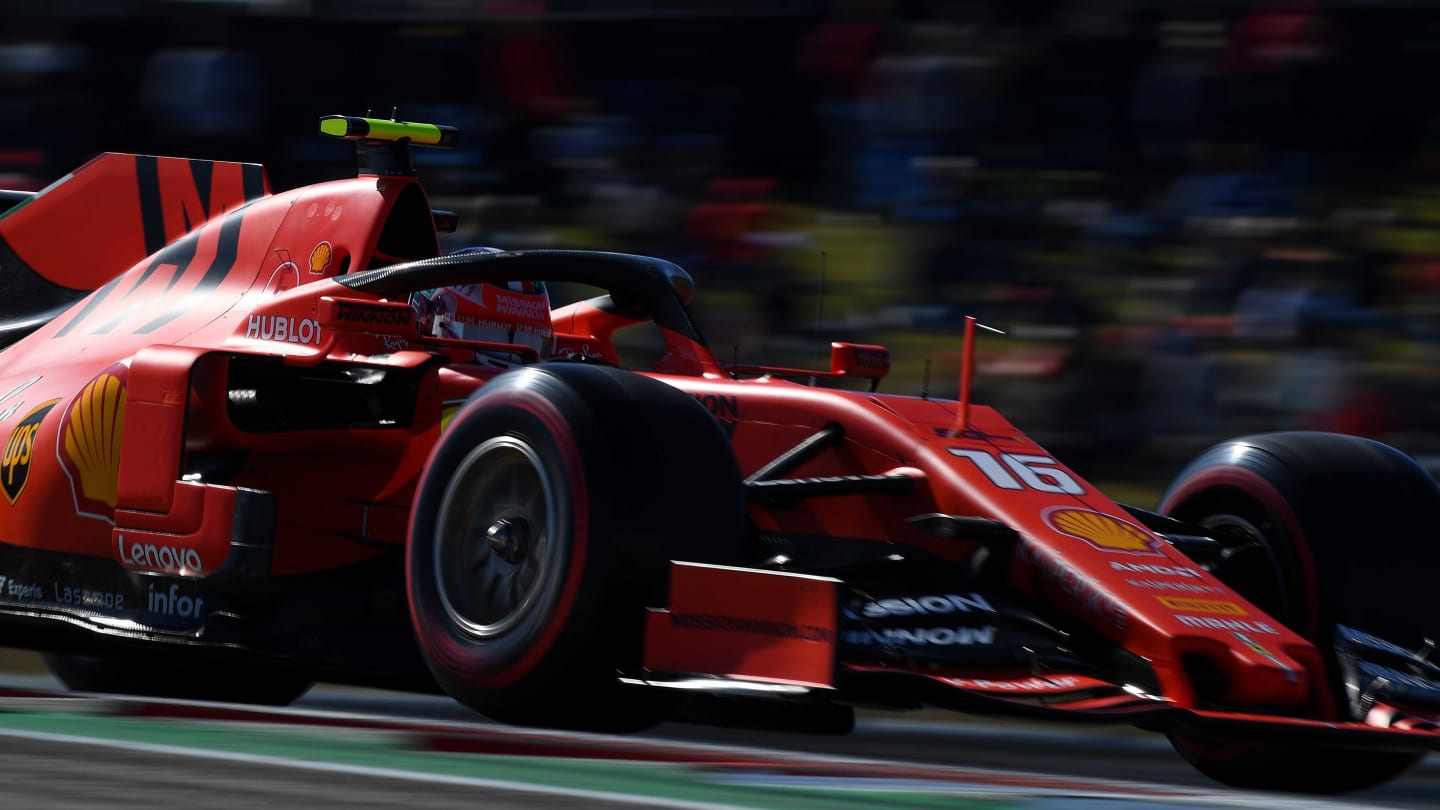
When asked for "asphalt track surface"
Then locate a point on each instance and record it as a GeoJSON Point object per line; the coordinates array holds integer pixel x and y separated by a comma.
{"type": "Point", "coordinates": [53, 760]}
{"type": "Point", "coordinates": [64, 774]}
{"type": "Point", "coordinates": [1103, 752]}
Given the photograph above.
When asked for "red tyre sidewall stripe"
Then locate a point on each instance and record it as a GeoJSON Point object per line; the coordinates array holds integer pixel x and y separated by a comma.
{"type": "Point", "coordinates": [452, 654]}
{"type": "Point", "coordinates": [1256, 486]}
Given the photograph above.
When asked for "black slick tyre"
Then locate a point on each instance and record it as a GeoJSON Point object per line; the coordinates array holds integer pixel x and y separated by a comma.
{"type": "Point", "coordinates": [543, 526]}
{"type": "Point", "coordinates": [1320, 530]}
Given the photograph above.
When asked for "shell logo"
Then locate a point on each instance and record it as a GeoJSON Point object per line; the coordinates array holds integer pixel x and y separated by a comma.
{"type": "Point", "coordinates": [91, 438]}
{"type": "Point", "coordinates": [320, 257]}
{"type": "Point", "coordinates": [1102, 530]}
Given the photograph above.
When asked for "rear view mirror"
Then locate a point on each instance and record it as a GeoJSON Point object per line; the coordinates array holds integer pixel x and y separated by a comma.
{"type": "Point", "coordinates": [859, 360]}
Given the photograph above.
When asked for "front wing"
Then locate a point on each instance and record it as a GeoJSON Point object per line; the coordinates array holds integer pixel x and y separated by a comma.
{"type": "Point", "coordinates": [780, 640]}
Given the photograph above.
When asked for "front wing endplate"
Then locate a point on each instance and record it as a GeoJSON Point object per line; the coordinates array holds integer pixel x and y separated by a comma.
{"type": "Point", "coordinates": [748, 624]}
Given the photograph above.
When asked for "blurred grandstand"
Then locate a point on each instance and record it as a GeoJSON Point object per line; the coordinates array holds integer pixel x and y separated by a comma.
{"type": "Point", "coordinates": [1194, 218]}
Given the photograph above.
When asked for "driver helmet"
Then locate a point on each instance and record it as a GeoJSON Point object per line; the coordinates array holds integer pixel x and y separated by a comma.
{"type": "Point", "coordinates": [516, 312]}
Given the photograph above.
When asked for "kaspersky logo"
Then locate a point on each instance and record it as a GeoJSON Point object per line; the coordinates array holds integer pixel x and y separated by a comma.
{"type": "Point", "coordinates": [20, 450]}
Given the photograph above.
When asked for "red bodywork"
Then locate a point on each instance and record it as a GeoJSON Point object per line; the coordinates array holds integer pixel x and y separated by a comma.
{"type": "Point", "coordinates": [143, 359]}
{"type": "Point", "coordinates": [107, 409]}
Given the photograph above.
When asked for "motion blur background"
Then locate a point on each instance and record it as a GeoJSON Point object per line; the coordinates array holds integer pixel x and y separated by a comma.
{"type": "Point", "coordinates": [1194, 218]}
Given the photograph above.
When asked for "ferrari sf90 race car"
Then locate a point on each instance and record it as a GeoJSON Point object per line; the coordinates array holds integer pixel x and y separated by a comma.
{"type": "Point", "coordinates": [241, 456]}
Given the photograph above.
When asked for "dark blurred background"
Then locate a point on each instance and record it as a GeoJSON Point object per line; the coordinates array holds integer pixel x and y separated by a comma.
{"type": "Point", "coordinates": [1194, 218]}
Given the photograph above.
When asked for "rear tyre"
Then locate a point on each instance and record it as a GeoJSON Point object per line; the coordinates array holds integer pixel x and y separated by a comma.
{"type": "Point", "coordinates": [1319, 530]}
{"type": "Point", "coordinates": [174, 679]}
{"type": "Point", "coordinates": [543, 527]}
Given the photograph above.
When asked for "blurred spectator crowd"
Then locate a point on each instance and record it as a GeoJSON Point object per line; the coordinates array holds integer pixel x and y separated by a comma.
{"type": "Point", "coordinates": [1192, 219]}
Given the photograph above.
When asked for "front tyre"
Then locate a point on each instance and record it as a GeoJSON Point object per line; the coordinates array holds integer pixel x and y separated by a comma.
{"type": "Point", "coordinates": [543, 527]}
{"type": "Point", "coordinates": [1319, 530]}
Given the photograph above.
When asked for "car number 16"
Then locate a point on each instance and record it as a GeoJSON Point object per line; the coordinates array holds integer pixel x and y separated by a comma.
{"type": "Point", "coordinates": [1035, 472]}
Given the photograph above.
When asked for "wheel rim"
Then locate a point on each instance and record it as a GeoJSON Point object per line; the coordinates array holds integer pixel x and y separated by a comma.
{"type": "Point", "coordinates": [1248, 563]}
{"type": "Point", "coordinates": [496, 543]}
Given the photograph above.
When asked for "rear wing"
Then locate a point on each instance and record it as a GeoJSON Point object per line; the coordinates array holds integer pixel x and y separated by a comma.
{"type": "Point", "coordinates": [58, 244]}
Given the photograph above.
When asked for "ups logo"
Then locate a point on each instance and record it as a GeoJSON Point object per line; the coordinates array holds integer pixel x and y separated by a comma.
{"type": "Point", "coordinates": [19, 449]}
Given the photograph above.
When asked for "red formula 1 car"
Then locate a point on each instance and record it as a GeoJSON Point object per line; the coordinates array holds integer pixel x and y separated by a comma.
{"type": "Point", "coordinates": [240, 457]}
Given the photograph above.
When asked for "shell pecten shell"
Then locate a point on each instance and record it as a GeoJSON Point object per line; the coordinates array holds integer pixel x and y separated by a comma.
{"type": "Point", "coordinates": [1101, 530]}
{"type": "Point", "coordinates": [92, 439]}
